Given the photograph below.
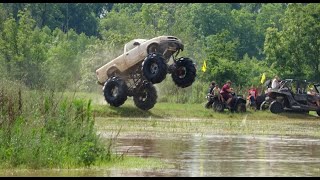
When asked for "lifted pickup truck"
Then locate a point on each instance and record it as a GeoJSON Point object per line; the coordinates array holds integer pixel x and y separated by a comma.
{"type": "Point", "coordinates": [144, 63]}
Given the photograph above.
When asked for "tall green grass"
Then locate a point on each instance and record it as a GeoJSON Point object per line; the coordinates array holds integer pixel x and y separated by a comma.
{"type": "Point", "coordinates": [43, 129]}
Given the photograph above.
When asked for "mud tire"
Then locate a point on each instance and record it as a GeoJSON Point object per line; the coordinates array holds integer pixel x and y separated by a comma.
{"type": "Point", "coordinates": [146, 97]}
{"type": "Point", "coordinates": [241, 107]}
{"type": "Point", "coordinates": [184, 73]}
{"type": "Point", "coordinates": [276, 107]}
{"type": "Point", "coordinates": [218, 107]}
{"type": "Point", "coordinates": [115, 91]}
{"type": "Point", "coordinates": [154, 68]}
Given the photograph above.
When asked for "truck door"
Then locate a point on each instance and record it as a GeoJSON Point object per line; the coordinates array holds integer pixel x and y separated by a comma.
{"type": "Point", "coordinates": [133, 56]}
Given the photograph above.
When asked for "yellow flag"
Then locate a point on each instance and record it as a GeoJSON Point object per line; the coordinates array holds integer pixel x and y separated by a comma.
{"type": "Point", "coordinates": [263, 78]}
{"type": "Point", "coordinates": [204, 66]}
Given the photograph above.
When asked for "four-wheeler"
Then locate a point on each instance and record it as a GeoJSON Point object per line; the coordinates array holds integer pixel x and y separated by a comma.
{"type": "Point", "coordinates": [238, 103]}
{"type": "Point", "coordinates": [143, 64]}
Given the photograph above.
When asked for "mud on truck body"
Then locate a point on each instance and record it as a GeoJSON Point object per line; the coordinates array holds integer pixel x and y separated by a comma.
{"type": "Point", "coordinates": [143, 64]}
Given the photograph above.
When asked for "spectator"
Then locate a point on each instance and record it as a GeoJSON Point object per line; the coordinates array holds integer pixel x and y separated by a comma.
{"type": "Point", "coordinates": [216, 90]}
{"type": "Point", "coordinates": [275, 83]}
{"type": "Point", "coordinates": [267, 84]}
{"type": "Point", "coordinates": [226, 91]}
{"type": "Point", "coordinates": [211, 87]}
{"type": "Point", "coordinates": [252, 95]}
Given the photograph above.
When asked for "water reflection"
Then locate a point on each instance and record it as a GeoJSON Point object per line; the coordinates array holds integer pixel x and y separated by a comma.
{"type": "Point", "coordinates": [198, 155]}
{"type": "Point", "coordinates": [212, 155]}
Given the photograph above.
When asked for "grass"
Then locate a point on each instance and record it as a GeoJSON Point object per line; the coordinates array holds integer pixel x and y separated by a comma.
{"type": "Point", "coordinates": [128, 162]}
{"type": "Point", "coordinates": [125, 164]}
{"type": "Point", "coordinates": [167, 128]}
{"type": "Point", "coordinates": [41, 130]}
{"type": "Point", "coordinates": [171, 119]}
{"type": "Point", "coordinates": [45, 129]}
{"type": "Point", "coordinates": [175, 110]}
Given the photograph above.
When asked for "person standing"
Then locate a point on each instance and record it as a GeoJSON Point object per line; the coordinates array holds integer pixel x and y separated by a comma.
{"type": "Point", "coordinates": [252, 95]}
{"type": "Point", "coordinates": [211, 93]}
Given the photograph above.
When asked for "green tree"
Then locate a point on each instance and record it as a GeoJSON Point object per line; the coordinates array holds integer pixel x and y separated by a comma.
{"type": "Point", "coordinates": [159, 18]}
{"type": "Point", "coordinates": [82, 17]}
{"type": "Point", "coordinates": [130, 8]}
{"type": "Point", "coordinates": [294, 50]}
{"type": "Point", "coordinates": [269, 16]}
{"type": "Point", "coordinates": [243, 30]}
{"type": "Point", "coordinates": [8, 43]}
{"type": "Point", "coordinates": [118, 28]}
{"type": "Point", "coordinates": [251, 7]}
{"type": "Point", "coordinates": [23, 49]}
{"type": "Point", "coordinates": [211, 18]}
{"type": "Point", "coordinates": [222, 45]}
{"type": "Point", "coordinates": [14, 8]}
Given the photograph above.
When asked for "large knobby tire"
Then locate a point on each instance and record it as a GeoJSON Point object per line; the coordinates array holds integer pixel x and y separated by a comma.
{"type": "Point", "coordinates": [115, 91]}
{"type": "Point", "coordinates": [241, 107]}
{"type": "Point", "coordinates": [276, 107]}
{"type": "Point", "coordinates": [184, 72]}
{"type": "Point", "coordinates": [154, 68]}
{"type": "Point", "coordinates": [146, 97]}
{"type": "Point", "coordinates": [208, 105]}
{"type": "Point", "coordinates": [218, 106]}
{"type": "Point", "coordinates": [318, 112]}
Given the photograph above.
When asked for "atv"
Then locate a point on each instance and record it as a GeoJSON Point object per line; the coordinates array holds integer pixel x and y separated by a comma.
{"type": "Point", "coordinates": [291, 97]}
{"type": "Point", "coordinates": [210, 99]}
{"type": "Point", "coordinates": [238, 103]}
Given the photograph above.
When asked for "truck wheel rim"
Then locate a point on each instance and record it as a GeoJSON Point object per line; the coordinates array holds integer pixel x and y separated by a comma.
{"type": "Point", "coordinates": [143, 96]}
{"type": "Point", "coordinates": [115, 91]}
{"type": "Point", "coordinates": [181, 72]}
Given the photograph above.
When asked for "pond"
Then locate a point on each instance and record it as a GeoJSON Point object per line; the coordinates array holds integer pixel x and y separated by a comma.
{"type": "Point", "coordinates": [214, 155]}
{"type": "Point", "coordinates": [196, 155]}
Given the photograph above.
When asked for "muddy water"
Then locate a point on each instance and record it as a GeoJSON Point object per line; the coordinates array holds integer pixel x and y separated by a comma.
{"type": "Point", "coordinates": [211, 155]}
{"type": "Point", "coordinates": [231, 155]}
